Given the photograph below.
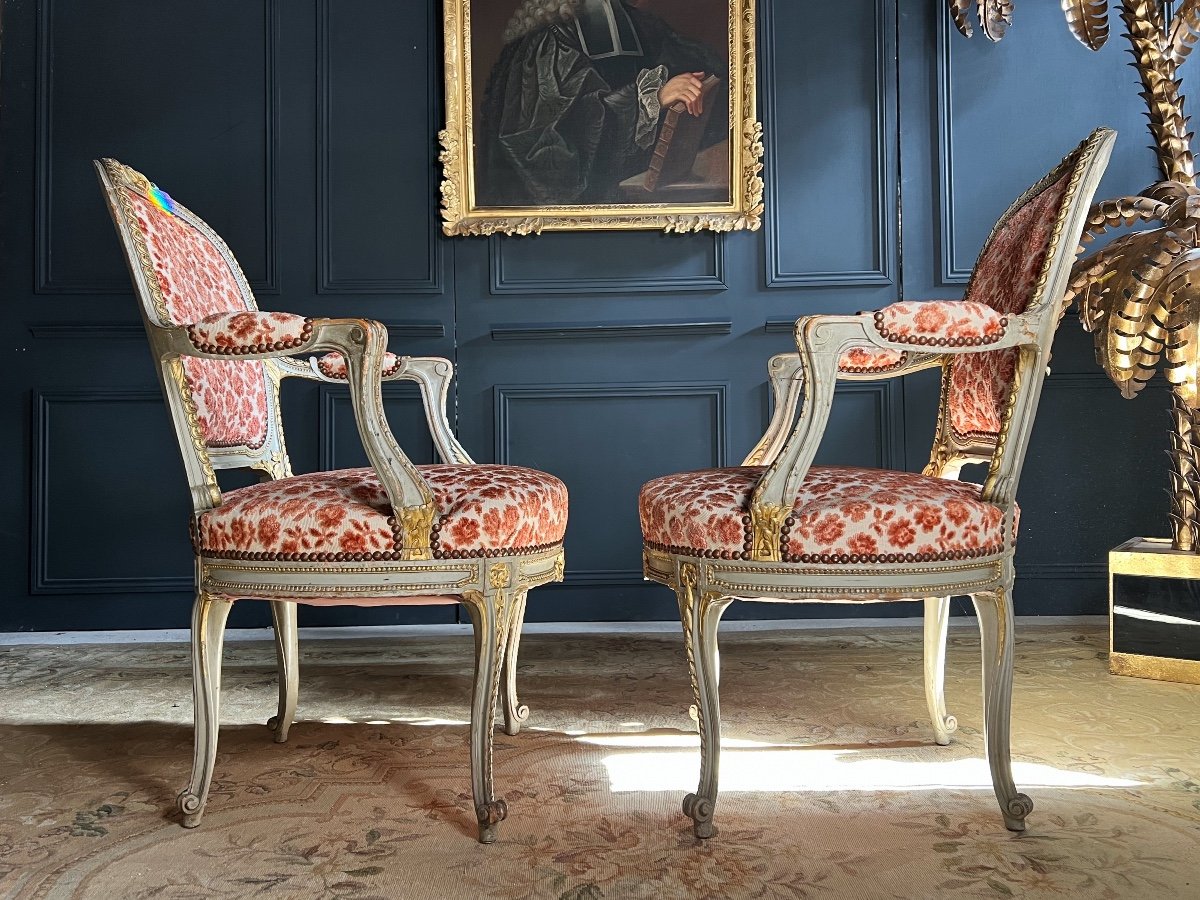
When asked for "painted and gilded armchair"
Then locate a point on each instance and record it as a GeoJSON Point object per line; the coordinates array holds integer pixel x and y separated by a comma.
{"type": "Point", "coordinates": [778, 529]}
{"type": "Point", "coordinates": [391, 533]}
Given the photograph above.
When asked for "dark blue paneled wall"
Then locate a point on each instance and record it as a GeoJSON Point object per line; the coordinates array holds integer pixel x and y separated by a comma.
{"type": "Point", "coordinates": [305, 132]}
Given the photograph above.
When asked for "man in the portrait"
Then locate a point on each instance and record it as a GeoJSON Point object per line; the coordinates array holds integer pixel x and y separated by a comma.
{"type": "Point", "coordinates": [573, 105]}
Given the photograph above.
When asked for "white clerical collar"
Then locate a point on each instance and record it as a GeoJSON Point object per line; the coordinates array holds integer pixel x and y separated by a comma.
{"type": "Point", "coordinates": [605, 30]}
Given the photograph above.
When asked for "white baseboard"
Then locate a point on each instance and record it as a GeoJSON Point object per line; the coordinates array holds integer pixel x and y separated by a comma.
{"type": "Point", "coordinates": [180, 635]}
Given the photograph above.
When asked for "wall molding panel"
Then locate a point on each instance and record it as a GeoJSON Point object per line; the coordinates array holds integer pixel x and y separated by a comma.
{"type": "Point", "coordinates": [501, 282]}
{"type": "Point", "coordinates": [45, 281]}
{"type": "Point", "coordinates": [582, 331]}
{"type": "Point", "coordinates": [881, 272]}
{"type": "Point", "coordinates": [432, 281]}
{"type": "Point", "coordinates": [950, 272]}
{"type": "Point", "coordinates": [505, 396]}
{"type": "Point", "coordinates": [42, 578]}
{"type": "Point", "coordinates": [334, 400]}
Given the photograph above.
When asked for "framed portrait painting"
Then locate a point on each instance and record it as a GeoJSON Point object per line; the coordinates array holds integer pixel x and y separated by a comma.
{"type": "Point", "coordinates": [588, 114]}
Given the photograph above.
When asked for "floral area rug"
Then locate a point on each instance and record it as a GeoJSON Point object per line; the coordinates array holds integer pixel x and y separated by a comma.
{"type": "Point", "coordinates": [832, 785]}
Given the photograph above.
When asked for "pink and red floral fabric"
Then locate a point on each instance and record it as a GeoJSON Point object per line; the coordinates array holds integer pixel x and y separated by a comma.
{"type": "Point", "coordinates": [333, 365]}
{"type": "Point", "coordinates": [194, 277]}
{"type": "Point", "coordinates": [941, 323]}
{"type": "Point", "coordinates": [1004, 279]}
{"type": "Point", "coordinates": [345, 515]}
{"type": "Point", "coordinates": [870, 359]}
{"type": "Point", "coordinates": [231, 400]}
{"type": "Point", "coordinates": [249, 331]}
{"type": "Point", "coordinates": [842, 515]}
{"type": "Point", "coordinates": [197, 282]}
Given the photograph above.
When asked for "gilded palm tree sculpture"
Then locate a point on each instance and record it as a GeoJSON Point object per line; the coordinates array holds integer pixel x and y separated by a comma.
{"type": "Point", "coordinates": [1140, 295]}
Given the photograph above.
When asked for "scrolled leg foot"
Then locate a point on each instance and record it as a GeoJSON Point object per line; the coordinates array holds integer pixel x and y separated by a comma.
{"type": "Point", "coordinates": [280, 734]}
{"type": "Point", "coordinates": [700, 811]}
{"type": "Point", "coordinates": [514, 718]}
{"type": "Point", "coordinates": [944, 729]}
{"type": "Point", "coordinates": [490, 816]}
{"type": "Point", "coordinates": [191, 806]}
{"type": "Point", "coordinates": [1018, 809]}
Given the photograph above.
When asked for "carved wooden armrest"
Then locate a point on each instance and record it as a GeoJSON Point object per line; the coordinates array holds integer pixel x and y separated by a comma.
{"type": "Point", "coordinates": [865, 363]}
{"type": "Point", "coordinates": [822, 342]}
{"type": "Point", "coordinates": [363, 345]}
{"type": "Point", "coordinates": [433, 375]}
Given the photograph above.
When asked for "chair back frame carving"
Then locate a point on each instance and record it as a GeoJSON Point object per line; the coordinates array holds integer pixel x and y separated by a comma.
{"type": "Point", "coordinates": [200, 460]}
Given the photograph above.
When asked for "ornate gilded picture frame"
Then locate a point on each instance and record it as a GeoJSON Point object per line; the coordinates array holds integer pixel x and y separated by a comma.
{"type": "Point", "coordinates": [600, 114]}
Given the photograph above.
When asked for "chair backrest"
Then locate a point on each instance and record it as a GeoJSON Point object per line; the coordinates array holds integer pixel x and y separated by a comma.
{"type": "Point", "coordinates": [182, 272]}
{"type": "Point", "coordinates": [1022, 269]}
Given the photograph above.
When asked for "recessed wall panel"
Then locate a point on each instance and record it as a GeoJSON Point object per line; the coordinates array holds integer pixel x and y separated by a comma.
{"type": "Point", "coordinates": [377, 148]}
{"type": "Point", "coordinates": [605, 442]}
{"type": "Point", "coordinates": [206, 134]}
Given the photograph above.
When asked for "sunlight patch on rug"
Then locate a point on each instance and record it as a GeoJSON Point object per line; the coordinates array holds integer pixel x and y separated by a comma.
{"type": "Point", "coordinates": [798, 769]}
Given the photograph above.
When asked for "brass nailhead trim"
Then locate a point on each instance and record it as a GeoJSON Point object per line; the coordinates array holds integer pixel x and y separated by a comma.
{"type": "Point", "coordinates": [327, 371]}
{"type": "Point", "coordinates": [862, 370]}
{"type": "Point", "coordinates": [926, 341]}
{"type": "Point", "coordinates": [245, 349]}
{"type": "Point", "coordinates": [829, 558]}
{"type": "Point", "coordinates": [379, 555]}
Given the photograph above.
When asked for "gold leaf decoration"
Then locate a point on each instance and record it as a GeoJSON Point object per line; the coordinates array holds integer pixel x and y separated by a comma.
{"type": "Point", "coordinates": [1088, 21]}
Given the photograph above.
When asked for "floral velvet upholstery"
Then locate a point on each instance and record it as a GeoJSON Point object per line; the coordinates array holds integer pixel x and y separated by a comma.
{"type": "Point", "coordinates": [871, 359]}
{"type": "Point", "coordinates": [941, 323]}
{"type": "Point", "coordinates": [333, 365]}
{"type": "Point", "coordinates": [249, 331]}
{"type": "Point", "coordinates": [842, 515]}
{"type": "Point", "coordinates": [1005, 278]}
{"type": "Point", "coordinates": [197, 282]}
{"type": "Point", "coordinates": [345, 516]}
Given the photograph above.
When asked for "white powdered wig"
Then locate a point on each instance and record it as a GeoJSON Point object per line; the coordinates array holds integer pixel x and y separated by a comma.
{"type": "Point", "coordinates": [535, 14]}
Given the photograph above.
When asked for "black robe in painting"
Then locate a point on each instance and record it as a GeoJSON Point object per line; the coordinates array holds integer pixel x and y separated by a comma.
{"type": "Point", "coordinates": [558, 128]}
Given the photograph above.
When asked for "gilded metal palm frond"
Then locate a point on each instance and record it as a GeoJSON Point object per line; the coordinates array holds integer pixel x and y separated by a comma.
{"type": "Point", "coordinates": [1185, 29]}
{"type": "Point", "coordinates": [994, 17]}
{"type": "Point", "coordinates": [960, 11]}
{"type": "Point", "coordinates": [1088, 21]}
{"type": "Point", "coordinates": [1122, 211]}
{"type": "Point", "coordinates": [1124, 294]}
{"type": "Point", "coordinates": [1139, 296]}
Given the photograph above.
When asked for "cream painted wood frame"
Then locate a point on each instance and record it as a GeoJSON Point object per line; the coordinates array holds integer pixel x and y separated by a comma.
{"type": "Point", "coordinates": [492, 588]}
{"type": "Point", "coordinates": [461, 215]}
{"type": "Point", "coordinates": [706, 587]}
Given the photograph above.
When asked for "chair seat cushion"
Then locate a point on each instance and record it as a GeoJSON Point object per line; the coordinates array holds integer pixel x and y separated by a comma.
{"type": "Point", "coordinates": [842, 515]}
{"type": "Point", "coordinates": [340, 516]}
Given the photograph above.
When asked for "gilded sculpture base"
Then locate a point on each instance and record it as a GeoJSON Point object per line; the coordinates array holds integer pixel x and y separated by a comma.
{"type": "Point", "coordinates": [1154, 611]}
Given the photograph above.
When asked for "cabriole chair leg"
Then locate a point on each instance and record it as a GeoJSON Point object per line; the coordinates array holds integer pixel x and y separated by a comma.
{"type": "Point", "coordinates": [515, 713]}
{"type": "Point", "coordinates": [996, 638]}
{"type": "Point", "coordinates": [701, 616]}
{"type": "Point", "coordinates": [208, 636]}
{"type": "Point", "coordinates": [287, 657]}
{"type": "Point", "coordinates": [489, 614]}
{"type": "Point", "coordinates": [937, 621]}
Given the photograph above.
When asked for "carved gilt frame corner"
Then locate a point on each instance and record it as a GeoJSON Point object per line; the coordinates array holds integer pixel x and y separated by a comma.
{"type": "Point", "coordinates": [461, 215]}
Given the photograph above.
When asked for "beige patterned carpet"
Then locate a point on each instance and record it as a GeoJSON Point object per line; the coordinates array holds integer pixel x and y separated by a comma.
{"type": "Point", "coordinates": [832, 785]}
